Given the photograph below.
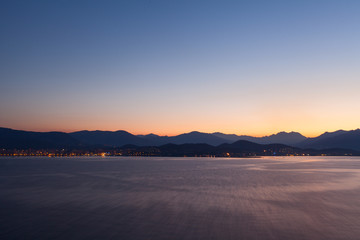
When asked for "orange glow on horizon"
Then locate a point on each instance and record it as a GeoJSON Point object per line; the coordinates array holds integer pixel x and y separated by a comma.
{"type": "Point", "coordinates": [178, 132]}
{"type": "Point", "coordinates": [260, 120]}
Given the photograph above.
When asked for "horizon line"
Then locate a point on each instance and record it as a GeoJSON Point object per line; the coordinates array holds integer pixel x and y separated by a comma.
{"type": "Point", "coordinates": [72, 131]}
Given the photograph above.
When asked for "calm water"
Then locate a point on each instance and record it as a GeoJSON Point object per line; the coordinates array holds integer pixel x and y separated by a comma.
{"type": "Point", "coordinates": [180, 198]}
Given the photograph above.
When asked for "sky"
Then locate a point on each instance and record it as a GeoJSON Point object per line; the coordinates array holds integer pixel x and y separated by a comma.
{"type": "Point", "coordinates": [168, 67]}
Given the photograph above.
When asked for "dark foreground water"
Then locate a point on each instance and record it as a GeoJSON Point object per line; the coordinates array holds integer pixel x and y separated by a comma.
{"type": "Point", "coordinates": [180, 198]}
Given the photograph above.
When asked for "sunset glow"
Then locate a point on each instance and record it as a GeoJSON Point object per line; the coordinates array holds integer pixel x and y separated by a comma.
{"type": "Point", "coordinates": [170, 67]}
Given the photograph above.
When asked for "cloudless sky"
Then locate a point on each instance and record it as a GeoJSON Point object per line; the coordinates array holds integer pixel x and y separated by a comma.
{"type": "Point", "coordinates": [168, 67]}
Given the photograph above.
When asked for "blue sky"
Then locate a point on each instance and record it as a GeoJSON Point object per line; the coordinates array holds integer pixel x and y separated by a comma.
{"type": "Point", "coordinates": [245, 67]}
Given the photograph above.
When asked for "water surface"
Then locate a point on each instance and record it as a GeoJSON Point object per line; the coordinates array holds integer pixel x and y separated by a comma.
{"type": "Point", "coordinates": [180, 198]}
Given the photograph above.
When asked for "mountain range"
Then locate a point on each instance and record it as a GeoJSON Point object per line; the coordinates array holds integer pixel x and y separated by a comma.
{"type": "Point", "coordinates": [10, 138]}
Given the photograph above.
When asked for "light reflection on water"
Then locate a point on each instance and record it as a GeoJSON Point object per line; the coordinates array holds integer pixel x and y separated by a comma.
{"type": "Point", "coordinates": [180, 198]}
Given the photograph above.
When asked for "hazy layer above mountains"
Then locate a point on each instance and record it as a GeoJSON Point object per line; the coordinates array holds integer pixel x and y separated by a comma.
{"type": "Point", "coordinates": [20, 139]}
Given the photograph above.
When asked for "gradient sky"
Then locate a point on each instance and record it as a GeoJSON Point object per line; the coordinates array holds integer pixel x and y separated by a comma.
{"type": "Point", "coordinates": [168, 67]}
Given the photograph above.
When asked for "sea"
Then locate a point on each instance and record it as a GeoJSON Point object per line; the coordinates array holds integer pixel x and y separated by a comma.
{"type": "Point", "coordinates": [142, 198]}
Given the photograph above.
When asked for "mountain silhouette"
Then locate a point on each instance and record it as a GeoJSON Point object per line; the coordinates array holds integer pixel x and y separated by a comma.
{"type": "Point", "coordinates": [155, 140]}
{"type": "Point", "coordinates": [242, 146]}
{"type": "Point", "coordinates": [239, 148]}
{"type": "Point", "coordinates": [291, 138]}
{"type": "Point", "coordinates": [109, 138]}
{"type": "Point", "coordinates": [217, 138]}
{"type": "Point", "coordinates": [191, 137]}
{"type": "Point", "coordinates": [337, 139]}
{"type": "Point", "coordinates": [197, 137]}
{"type": "Point", "coordinates": [10, 138]}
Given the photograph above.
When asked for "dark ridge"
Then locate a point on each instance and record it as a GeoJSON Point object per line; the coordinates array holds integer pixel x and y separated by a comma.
{"type": "Point", "coordinates": [108, 138]}
{"type": "Point", "coordinates": [11, 139]}
{"type": "Point", "coordinates": [339, 139]}
{"type": "Point", "coordinates": [195, 142]}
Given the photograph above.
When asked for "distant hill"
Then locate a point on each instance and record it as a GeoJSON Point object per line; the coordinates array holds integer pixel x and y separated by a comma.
{"type": "Point", "coordinates": [191, 137]}
{"type": "Point", "coordinates": [155, 140]}
{"type": "Point", "coordinates": [241, 148]}
{"type": "Point", "coordinates": [229, 137]}
{"type": "Point", "coordinates": [197, 137]}
{"type": "Point", "coordinates": [11, 139]}
{"type": "Point", "coordinates": [291, 138]}
{"type": "Point", "coordinates": [339, 139]}
{"type": "Point", "coordinates": [217, 138]}
{"type": "Point", "coordinates": [189, 149]}
{"type": "Point", "coordinates": [108, 138]}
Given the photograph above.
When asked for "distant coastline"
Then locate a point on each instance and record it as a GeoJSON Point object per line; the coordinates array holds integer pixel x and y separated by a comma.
{"type": "Point", "coordinates": [193, 144]}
